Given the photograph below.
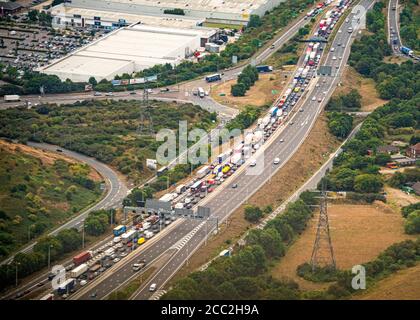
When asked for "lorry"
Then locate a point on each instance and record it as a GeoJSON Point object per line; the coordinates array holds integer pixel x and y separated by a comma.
{"type": "Point", "coordinates": [203, 172]}
{"type": "Point", "coordinates": [66, 286]}
{"type": "Point", "coordinates": [148, 234]}
{"type": "Point", "coordinates": [168, 197]}
{"type": "Point", "coordinates": [264, 68]}
{"type": "Point", "coordinates": [128, 236]}
{"type": "Point", "coordinates": [11, 97]}
{"type": "Point", "coordinates": [119, 230]}
{"type": "Point", "coordinates": [82, 257]}
{"type": "Point", "coordinates": [407, 51]}
{"type": "Point", "coordinates": [79, 270]}
{"type": "Point", "coordinates": [181, 188]}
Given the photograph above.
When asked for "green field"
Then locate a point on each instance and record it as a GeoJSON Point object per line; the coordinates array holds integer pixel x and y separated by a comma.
{"type": "Point", "coordinates": [119, 133]}
{"type": "Point", "coordinates": [36, 196]}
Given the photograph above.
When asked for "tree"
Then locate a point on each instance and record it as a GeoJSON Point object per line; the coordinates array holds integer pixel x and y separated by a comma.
{"type": "Point", "coordinates": [238, 90]}
{"type": "Point", "coordinates": [93, 81]}
{"type": "Point", "coordinates": [70, 239]}
{"type": "Point", "coordinates": [368, 183]}
{"type": "Point", "coordinates": [253, 213]}
{"type": "Point", "coordinates": [254, 21]}
{"type": "Point", "coordinates": [412, 225]}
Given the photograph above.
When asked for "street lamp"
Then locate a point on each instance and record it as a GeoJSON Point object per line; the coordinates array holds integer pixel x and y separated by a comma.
{"type": "Point", "coordinates": [17, 264]}
{"type": "Point", "coordinates": [49, 255]}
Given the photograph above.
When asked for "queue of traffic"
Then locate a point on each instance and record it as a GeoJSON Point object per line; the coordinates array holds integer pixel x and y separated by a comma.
{"type": "Point", "coordinates": [208, 177]}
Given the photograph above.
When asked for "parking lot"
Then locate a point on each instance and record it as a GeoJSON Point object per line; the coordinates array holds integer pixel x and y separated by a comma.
{"type": "Point", "coordinates": [27, 46]}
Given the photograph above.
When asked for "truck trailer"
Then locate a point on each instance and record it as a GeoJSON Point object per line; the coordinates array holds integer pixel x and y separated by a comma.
{"type": "Point", "coordinates": [11, 98]}
{"type": "Point", "coordinates": [82, 257]}
{"type": "Point", "coordinates": [79, 270]}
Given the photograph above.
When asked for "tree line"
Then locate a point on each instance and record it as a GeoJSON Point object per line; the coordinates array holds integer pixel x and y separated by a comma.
{"type": "Point", "coordinates": [65, 242]}
{"type": "Point", "coordinates": [243, 275]}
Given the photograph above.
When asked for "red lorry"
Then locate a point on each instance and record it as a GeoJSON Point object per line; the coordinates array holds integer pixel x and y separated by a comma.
{"type": "Point", "coordinates": [82, 257]}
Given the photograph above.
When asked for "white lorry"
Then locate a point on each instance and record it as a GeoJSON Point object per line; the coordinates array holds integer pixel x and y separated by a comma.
{"type": "Point", "coordinates": [11, 97]}
{"type": "Point", "coordinates": [79, 270]}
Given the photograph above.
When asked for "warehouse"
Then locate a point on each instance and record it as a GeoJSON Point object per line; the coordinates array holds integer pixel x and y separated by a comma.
{"type": "Point", "coordinates": [130, 49]}
{"type": "Point", "coordinates": [218, 11]}
{"type": "Point", "coordinates": [66, 16]}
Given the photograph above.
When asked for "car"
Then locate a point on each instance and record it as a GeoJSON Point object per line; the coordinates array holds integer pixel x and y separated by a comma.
{"type": "Point", "coordinates": [58, 150]}
{"type": "Point", "coordinates": [97, 94]}
{"type": "Point", "coordinates": [317, 85]}
{"type": "Point", "coordinates": [339, 31]}
{"type": "Point", "coordinates": [253, 163]}
{"type": "Point", "coordinates": [93, 294]}
{"type": "Point", "coordinates": [281, 140]}
{"type": "Point", "coordinates": [276, 161]}
{"type": "Point", "coordinates": [319, 99]}
{"type": "Point", "coordinates": [133, 92]}
{"type": "Point", "coordinates": [340, 57]}
{"type": "Point", "coordinates": [120, 245]}
{"type": "Point", "coordinates": [313, 98]}
{"type": "Point", "coordinates": [83, 282]}
{"type": "Point", "coordinates": [234, 186]}
{"type": "Point", "coordinates": [272, 46]}
{"type": "Point", "coordinates": [334, 58]}
{"type": "Point", "coordinates": [123, 254]}
{"type": "Point", "coordinates": [152, 287]}
{"type": "Point", "coordinates": [291, 123]}
{"type": "Point", "coordinates": [332, 49]}
{"type": "Point", "coordinates": [109, 94]}
{"type": "Point", "coordinates": [116, 260]}
{"type": "Point", "coordinates": [137, 266]}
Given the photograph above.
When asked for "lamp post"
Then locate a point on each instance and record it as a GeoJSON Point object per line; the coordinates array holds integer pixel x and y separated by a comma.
{"type": "Point", "coordinates": [17, 264]}
{"type": "Point", "coordinates": [83, 235]}
{"type": "Point", "coordinates": [49, 255]}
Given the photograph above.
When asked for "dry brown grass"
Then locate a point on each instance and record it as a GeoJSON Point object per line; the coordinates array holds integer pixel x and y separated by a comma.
{"type": "Point", "coordinates": [403, 285]}
{"type": "Point", "coordinates": [47, 158]}
{"type": "Point", "coordinates": [358, 232]}
{"type": "Point", "coordinates": [366, 87]}
{"type": "Point", "coordinates": [258, 95]}
{"type": "Point", "coordinates": [298, 169]}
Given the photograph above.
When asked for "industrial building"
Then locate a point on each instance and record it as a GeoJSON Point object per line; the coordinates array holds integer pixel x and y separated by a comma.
{"type": "Point", "coordinates": [217, 11]}
{"type": "Point", "coordinates": [130, 49]}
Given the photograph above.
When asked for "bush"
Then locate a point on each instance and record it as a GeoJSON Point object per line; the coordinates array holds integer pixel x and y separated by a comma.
{"type": "Point", "coordinates": [253, 213]}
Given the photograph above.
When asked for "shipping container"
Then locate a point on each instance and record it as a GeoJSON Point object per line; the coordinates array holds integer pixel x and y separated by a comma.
{"type": "Point", "coordinates": [82, 257]}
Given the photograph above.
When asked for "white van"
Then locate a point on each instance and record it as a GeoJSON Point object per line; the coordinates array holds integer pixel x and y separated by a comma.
{"type": "Point", "coordinates": [117, 239]}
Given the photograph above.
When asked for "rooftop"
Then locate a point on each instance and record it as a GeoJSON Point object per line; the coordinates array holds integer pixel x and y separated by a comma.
{"type": "Point", "coordinates": [228, 6]}
{"type": "Point", "coordinates": [170, 21]}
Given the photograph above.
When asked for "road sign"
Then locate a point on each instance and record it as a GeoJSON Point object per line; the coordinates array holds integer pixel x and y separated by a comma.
{"type": "Point", "coordinates": [203, 212]}
{"type": "Point", "coordinates": [158, 205]}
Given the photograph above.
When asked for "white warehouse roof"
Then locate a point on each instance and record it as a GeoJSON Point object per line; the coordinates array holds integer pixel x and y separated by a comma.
{"type": "Point", "coordinates": [222, 10]}
{"type": "Point", "coordinates": [128, 50]}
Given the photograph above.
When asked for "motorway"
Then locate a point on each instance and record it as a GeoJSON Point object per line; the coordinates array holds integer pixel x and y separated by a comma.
{"type": "Point", "coordinates": [223, 203]}
{"type": "Point", "coordinates": [182, 93]}
{"type": "Point", "coordinates": [116, 188]}
{"type": "Point", "coordinates": [394, 30]}
{"type": "Point", "coordinates": [116, 192]}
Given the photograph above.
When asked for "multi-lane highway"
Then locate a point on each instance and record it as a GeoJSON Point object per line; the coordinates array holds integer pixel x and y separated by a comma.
{"type": "Point", "coordinates": [117, 190]}
{"type": "Point", "coordinates": [225, 200]}
{"type": "Point", "coordinates": [394, 37]}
